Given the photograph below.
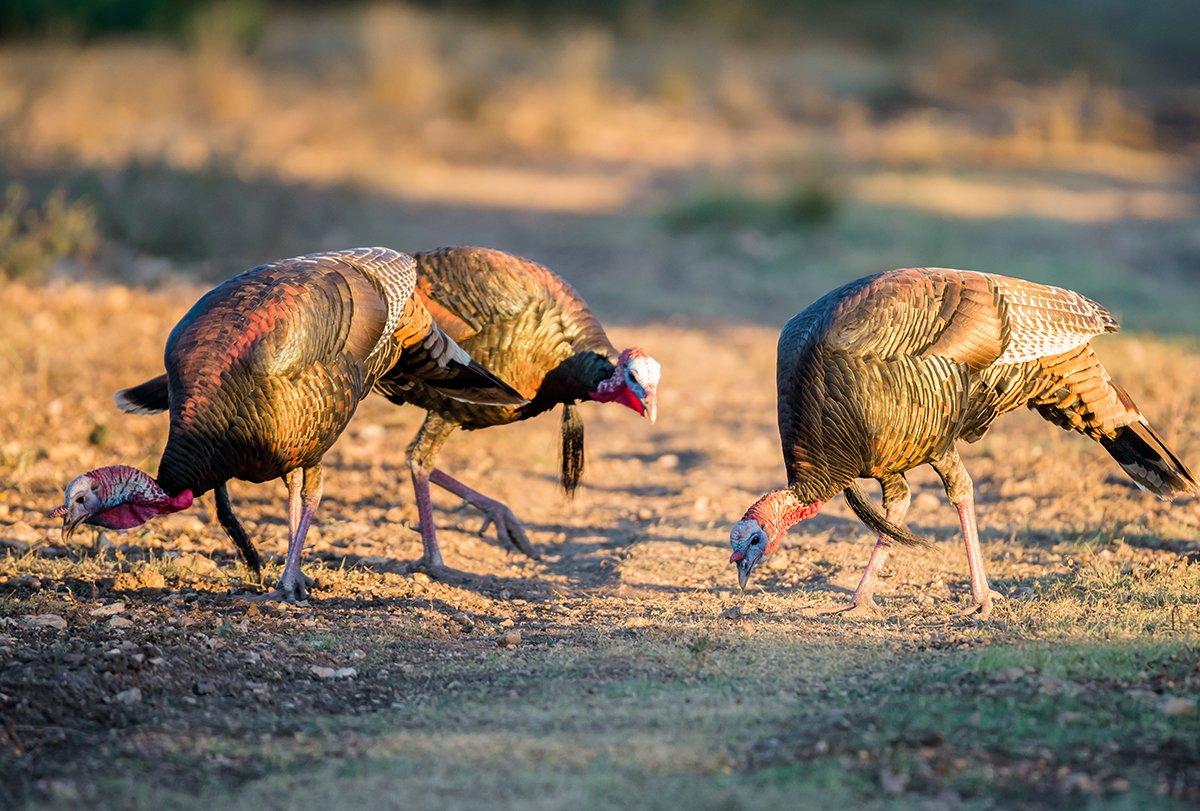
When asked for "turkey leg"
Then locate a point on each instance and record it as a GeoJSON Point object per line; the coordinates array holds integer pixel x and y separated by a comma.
{"type": "Point", "coordinates": [304, 495]}
{"type": "Point", "coordinates": [960, 490]}
{"type": "Point", "coordinates": [508, 528]}
{"type": "Point", "coordinates": [896, 499]}
{"type": "Point", "coordinates": [421, 453]}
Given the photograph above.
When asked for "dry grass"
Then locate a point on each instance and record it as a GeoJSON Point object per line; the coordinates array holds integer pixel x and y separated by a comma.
{"type": "Point", "coordinates": [642, 676]}
{"type": "Point", "coordinates": [697, 190]}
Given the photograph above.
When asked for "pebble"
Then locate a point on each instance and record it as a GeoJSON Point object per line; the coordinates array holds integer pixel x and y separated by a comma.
{"type": "Point", "coordinates": [734, 613]}
{"type": "Point", "coordinates": [47, 621]}
{"type": "Point", "coordinates": [131, 696]}
{"type": "Point", "coordinates": [510, 640]}
{"type": "Point", "coordinates": [464, 620]}
{"type": "Point", "coordinates": [1175, 706]}
{"type": "Point", "coordinates": [109, 610]}
{"type": "Point", "coordinates": [197, 564]}
{"type": "Point", "coordinates": [23, 532]}
{"type": "Point", "coordinates": [117, 623]}
{"type": "Point", "coordinates": [146, 578]}
{"type": "Point", "coordinates": [668, 460]}
{"type": "Point", "coordinates": [26, 581]}
{"type": "Point", "coordinates": [420, 577]}
{"type": "Point", "coordinates": [333, 673]}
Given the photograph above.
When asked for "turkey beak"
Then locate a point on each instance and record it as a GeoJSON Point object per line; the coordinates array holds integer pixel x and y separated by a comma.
{"type": "Point", "coordinates": [743, 568]}
{"type": "Point", "coordinates": [69, 522]}
{"type": "Point", "coordinates": [650, 404]}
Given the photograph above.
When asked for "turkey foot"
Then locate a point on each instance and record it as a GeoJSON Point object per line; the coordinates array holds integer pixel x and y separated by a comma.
{"type": "Point", "coordinates": [860, 609]}
{"type": "Point", "coordinates": [288, 591]}
{"type": "Point", "coordinates": [438, 571]}
{"type": "Point", "coordinates": [981, 608]}
{"type": "Point", "coordinates": [508, 528]}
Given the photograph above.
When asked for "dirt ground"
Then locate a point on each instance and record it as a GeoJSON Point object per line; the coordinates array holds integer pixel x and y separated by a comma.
{"type": "Point", "coordinates": [622, 669]}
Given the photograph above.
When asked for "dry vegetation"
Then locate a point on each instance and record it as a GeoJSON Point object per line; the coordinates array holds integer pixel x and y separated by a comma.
{"type": "Point", "coordinates": [698, 189]}
{"type": "Point", "coordinates": [624, 663]}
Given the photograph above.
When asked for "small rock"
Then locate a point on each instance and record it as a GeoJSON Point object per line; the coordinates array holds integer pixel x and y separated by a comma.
{"type": "Point", "coordinates": [131, 696]}
{"type": "Point", "coordinates": [1008, 673]}
{"type": "Point", "coordinates": [358, 653]}
{"type": "Point", "coordinates": [204, 687]}
{"type": "Point", "coordinates": [117, 623]}
{"type": "Point", "coordinates": [464, 620]}
{"type": "Point", "coordinates": [146, 578]}
{"type": "Point", "coordinates": [507, 622]}
{"type": "Point", "coordinates": [23, 532]}
{"type": "Point", "coordinates": [637, 622]}
{"type": "Point", "coordinates": [345, 673]}
{"type": "Point", "coordinates": [668, 460]}
{"type": "Point", "coordinates": [26, 581]}
{"type": "Point", "coordinates": [734, 613]}
{"type": "Point", "coordinates": [47, 621]}
{"type": "Point", "coordinates": [1024, 593]}
{"type": "Point", "coordinates": [510, 640]}
{"type": "Point", "coordinates": [198, 564]}
{"type": "Point", "coordinates": [420, 577]}
{"type": "Point", "coordinates": [893, 782]}
{"type": "Point", "coordinates": [110, 610]}
{"type": "Point", "coordinates": [1081, 783]}
{"type": "Point", "coordinates": [1174, 706]}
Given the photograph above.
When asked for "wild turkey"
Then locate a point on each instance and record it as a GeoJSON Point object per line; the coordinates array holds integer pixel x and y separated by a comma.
{"type": "Point", "coordinates": [888, 372]}
{"type": "Point", "coordinates": [529, 327]}
{"type": "Point", "coordinates": [538, 334]}
{"type": "Point", "coordinates": [263, 374]}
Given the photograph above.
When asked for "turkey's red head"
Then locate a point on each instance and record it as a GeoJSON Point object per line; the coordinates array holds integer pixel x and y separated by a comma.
{"type": "Point", "coordinates": [633, 384]}
{"type": "Point", "coordinates": [115, 497]}
{"type": "Point", "coordinates": [762, 528]}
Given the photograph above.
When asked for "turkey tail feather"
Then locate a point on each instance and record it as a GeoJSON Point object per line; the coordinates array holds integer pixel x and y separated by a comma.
{"type": "Point", "coordinates": [474, 384]}
{"type": "Point", "coordinates": [237, 533]}
{"type": "Point", "coordinates": [1145, 457]}
{"type": "Point", "coordinates": [873, 518]}
{"type": "Point", "coordinates": [572, 448]}
{"type": "Point", "coordinates": [145, 398]}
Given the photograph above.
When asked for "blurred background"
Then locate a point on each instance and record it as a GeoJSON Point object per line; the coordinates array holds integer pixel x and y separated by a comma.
{"type": "Point", "coordinates": [688, 160]}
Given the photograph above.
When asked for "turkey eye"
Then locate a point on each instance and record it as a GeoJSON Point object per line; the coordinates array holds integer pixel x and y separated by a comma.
{"type": "Point", "coordinates": [754, 541]}
{"type": "Point", "coordinates": [79, 499]}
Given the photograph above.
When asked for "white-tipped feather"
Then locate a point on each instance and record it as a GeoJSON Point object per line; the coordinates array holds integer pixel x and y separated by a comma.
{"type": "Point", "coordinates": [127, 405]}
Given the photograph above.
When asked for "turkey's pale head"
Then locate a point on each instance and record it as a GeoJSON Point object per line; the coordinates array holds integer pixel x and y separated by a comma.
{"type": "Point", "coordinates": [749, 541]}
{"type": "Point", "coordinates": [115, 497]}
{"type": "Point", "coordinates": [633, 383]}
{"type": "Point", "coordinates": [761, 530]}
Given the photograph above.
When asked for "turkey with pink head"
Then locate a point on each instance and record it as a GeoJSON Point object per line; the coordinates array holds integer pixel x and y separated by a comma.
{"type": "Point", "coordinates": [263, 374]}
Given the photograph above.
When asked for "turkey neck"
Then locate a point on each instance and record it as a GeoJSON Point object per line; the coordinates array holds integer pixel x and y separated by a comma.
{"type": "Point", "coordinates": [575, 378]}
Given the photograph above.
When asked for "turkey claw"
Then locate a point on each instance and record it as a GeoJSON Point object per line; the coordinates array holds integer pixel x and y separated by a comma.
{"type": "Point", "coordinates": [508, 528]}
{"type": "Point", "coordinates": [860, 609]}
{"type": "Point", "coordinates": [437, 571]}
